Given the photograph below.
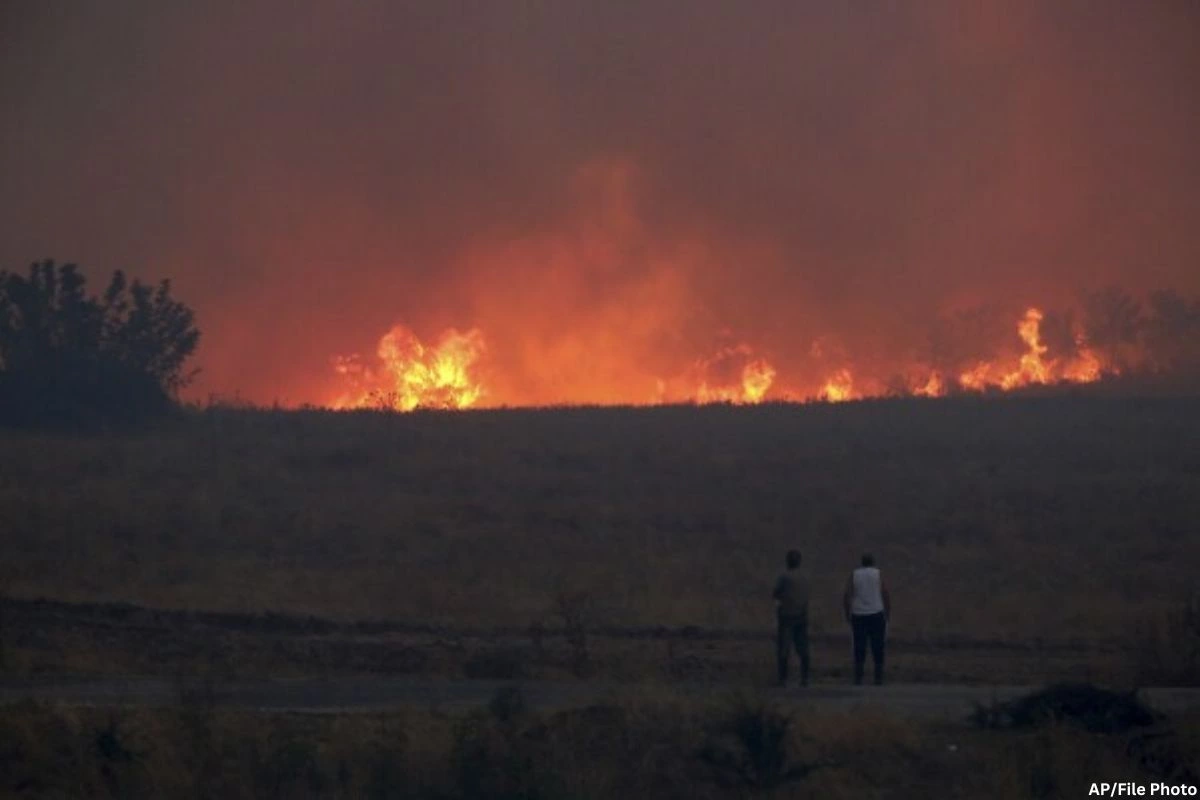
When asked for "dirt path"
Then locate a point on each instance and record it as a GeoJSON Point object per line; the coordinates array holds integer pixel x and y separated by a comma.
{"type": "Point", "coordinates": [374, 694]}
{"type": "Point", "coordinates": [51, 637]}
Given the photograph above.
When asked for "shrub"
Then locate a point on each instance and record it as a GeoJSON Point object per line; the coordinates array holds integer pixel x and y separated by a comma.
{"type": "Point", "coordinates": [753, 744]}
{"type": "Point", "coordinates": [1083, 705]}
{"type": "Point", "coordinates": [69, 358]}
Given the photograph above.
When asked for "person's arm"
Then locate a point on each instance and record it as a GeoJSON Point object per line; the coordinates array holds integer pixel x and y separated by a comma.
{"type": "Point", "coordinates": [887, 600]}
{"type": "Point", "coordinates": [778, 589]}
{"type": "Point", "coordinates": [847, 596]}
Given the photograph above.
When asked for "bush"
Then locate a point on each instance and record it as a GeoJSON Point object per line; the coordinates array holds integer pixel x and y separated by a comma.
{"type": "Point", "coordinates": [1085, 706]}
{"type": "Point", "coordinates": [69, 358]}
{"type": "Point", "coordinates": [752, 744]}
{"type": "Point", "coordinates": [492, 756]}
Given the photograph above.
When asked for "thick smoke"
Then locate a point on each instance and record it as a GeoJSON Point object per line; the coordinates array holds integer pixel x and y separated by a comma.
{"type": "Point", "coordinates": [615, 193]}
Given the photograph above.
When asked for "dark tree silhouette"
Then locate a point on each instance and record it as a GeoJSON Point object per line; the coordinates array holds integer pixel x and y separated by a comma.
{"type": "Point", "coordinates": [1173, 332]}
{"type": "Point", "coordinates": [1114, 321]}
{"type": "Point", "coordinates": [67, 357]}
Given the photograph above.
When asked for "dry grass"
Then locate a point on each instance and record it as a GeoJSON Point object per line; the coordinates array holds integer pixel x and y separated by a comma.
{"type": "Point", "coordinates": [1009, 519]}
{"type": "Point", "coordinates": [652, 746]}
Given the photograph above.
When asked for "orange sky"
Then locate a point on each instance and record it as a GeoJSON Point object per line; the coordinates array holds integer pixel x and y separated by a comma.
{"type": "Point", "coordinates": [613, 194]}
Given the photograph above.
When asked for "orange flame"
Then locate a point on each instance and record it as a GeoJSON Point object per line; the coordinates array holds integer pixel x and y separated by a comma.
{"type": "Point", "coordinates": [412, 375]}
{"type": "Point", "coordinates": [933, 387]}
{"type": "Point", "coordinates": [1086, 366]}
{"type": "Point", "coordinates": [1033, 368]}
{"type": "Point", "coordinates": [751, 385]}
{"type": "Point", "coordinates": [838, 388]}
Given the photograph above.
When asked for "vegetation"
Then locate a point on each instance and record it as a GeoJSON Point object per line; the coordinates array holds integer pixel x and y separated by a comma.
{"type": "Point", "coordinates": [69, 358]}
{"type": "Point", "coordinates": [1066, 518]}
{"type": "Point", "coordinates": [652, 746]}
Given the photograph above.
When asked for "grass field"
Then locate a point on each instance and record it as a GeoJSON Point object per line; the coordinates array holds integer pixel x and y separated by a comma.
{"type": "Point", "coordinates": [1013, 519]}
{"type": "Point", "coordinates": [652, 746]}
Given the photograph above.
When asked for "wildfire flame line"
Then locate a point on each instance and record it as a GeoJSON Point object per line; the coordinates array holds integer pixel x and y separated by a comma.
{"type": "Point", "coordinates": [411, 374]}
{"type": "Point", "coordinates": [1033, 368]}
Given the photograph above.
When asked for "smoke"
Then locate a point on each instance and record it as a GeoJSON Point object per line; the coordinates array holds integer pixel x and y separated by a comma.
{"type": "Point", "coordinates": [615, 193]}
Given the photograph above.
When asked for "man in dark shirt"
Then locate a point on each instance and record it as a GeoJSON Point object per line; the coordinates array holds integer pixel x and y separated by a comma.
{"type": "Point", "coordinates": [791, 601]}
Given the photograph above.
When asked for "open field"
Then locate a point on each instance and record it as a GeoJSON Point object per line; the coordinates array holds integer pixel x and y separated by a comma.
{"type": "Point", "coordinates": [44, 638]}
{"type": "Point", "coordinates": [1039, 522]}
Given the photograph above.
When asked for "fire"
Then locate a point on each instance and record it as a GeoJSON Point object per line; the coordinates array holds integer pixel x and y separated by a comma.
{"type": "Point", "coordinates": [1034, 368]}
{"type": "Point", "coordinates": [1086, 366]}
{"type": "Point", "coordinates": [597, 307]}
{"type": "Point", "coordinates": [757, 378]}
{"type": "Point", "coordinates": [933, 387]}
{"type": "Point", "coordinates": [838, 388]}
{"type": "Point", "coordinates": [412, 375]}
{"type": "Point", "coordinates": [750, 385]}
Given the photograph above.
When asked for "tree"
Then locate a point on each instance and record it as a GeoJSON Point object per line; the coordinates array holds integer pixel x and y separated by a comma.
{"type": "Point", "coordinates": [67, 357]}
{"type": "Point", "coordinates": [1114, 321]}
{"type": "Point", "coordinates": [1173, 332]}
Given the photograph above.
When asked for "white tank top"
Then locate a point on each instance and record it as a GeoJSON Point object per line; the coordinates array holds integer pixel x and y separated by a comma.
{"type": "Point", "coordinates": [868, 593]}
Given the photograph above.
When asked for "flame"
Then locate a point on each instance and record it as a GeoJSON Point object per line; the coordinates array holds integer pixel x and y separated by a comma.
{"type": "Point", "coordinates": [976, 378]}
{"type": "Point", "coordinates": [412, 375]}
{"type": "Point", "coordinates": [750, 385]}
{"type": "Point", "coordinates": [757, 378]}
{"type": "Point", "coordinates": [1034, 368]}
{"type": "Point", "coordinates": [1086, 367]}
{"type": "Point", "coordinates": [933, 387]}
{"type": "Point", "coordinates": [838, 388]}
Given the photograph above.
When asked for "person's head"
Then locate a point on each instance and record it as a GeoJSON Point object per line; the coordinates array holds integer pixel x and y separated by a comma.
{"type": "Point", "coordinates": [868, 560]}
{"type": "Point", "coordinates": [793, 559]}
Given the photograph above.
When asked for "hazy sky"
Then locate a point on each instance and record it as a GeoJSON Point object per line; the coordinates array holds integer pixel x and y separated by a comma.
{"type": "Point", "coordinates": [608, 190]}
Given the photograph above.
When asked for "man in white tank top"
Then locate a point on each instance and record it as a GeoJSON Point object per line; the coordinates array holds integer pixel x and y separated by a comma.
{"type": "Point", "coordinates": [867, 606]}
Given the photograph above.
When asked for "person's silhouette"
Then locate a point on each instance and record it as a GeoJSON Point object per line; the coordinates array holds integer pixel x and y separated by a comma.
{"type": "Point", "coordinates": [791, 611]}
{"type": "Point", "coordinates": [867, 607]}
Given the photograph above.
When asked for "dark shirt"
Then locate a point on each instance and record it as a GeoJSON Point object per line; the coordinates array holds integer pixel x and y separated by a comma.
{"type": "Point", "coordinates": [791, 593]}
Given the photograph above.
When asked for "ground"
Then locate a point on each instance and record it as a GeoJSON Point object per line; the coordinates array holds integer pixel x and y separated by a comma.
{"type": "Point", "coordinates": [1025, 540]}
{"type": "Point", "coordinates": [1049, 535]}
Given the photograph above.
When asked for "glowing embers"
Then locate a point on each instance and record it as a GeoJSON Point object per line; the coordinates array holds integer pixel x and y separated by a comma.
{"type": "Point", "coordinates": [413, 375]}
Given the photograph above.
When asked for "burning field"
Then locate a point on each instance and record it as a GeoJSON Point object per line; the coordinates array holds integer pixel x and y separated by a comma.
{"type": "Point", "coordinates": [588, 204]}
{"type": "Point", "coordinates": [449, 373]}
{"type": "Point", "coordinates": [518, 341]}
{"type": "Point", "coordinates": [557, 319]}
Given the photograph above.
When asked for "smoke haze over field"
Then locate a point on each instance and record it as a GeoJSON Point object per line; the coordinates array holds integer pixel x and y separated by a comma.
{"type": "Point", "coordinates": [626, 199]}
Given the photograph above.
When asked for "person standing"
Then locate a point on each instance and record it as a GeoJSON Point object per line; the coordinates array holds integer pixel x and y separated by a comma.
{"type": "Point", "coordinates": [791, 611]}
{"type": "Point", "coordinates": [867, 607]}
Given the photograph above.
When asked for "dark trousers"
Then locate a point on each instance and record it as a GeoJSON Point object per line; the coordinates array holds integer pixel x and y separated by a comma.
{"type": "Point", "coordinates": [872, 629]}
{"type": "Point", "coordinates": [792, 633]}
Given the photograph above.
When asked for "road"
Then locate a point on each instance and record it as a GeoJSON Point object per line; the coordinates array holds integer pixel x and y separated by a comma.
{"type": "Point", "coordinates": [377, 694]}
